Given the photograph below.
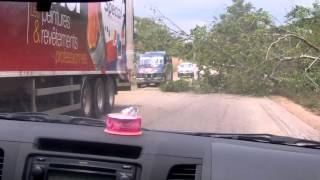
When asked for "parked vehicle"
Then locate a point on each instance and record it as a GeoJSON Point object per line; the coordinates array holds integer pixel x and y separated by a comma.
{"type": "Point", "coordinates": [75, 56]}
{"type": "Point", "coordinates": [186, 69]}
{"type": "Point", "coordinates": [154, 68]}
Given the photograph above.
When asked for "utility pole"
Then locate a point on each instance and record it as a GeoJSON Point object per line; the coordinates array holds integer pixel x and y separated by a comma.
{"type": "Point", "coordinates": [129, 34]}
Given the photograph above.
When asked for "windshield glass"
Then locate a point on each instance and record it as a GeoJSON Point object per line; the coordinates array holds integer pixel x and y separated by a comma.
{"type": "Point", "coordinates": [150, 60]}
{"type": "Point", "coordinates": [234, 66]}
{"type": "Point", "coordinates": [185, 65]}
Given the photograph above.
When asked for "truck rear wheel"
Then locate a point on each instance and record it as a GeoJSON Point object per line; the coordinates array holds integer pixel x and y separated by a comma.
{"type": "Point", "coordinates": [86, 99]}
{"type": "Point", "coordinates": [110, 94]}
{"type": "Point", "coordinates": [99, 98]}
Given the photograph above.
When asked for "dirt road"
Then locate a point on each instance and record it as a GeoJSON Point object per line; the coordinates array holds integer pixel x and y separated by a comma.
{"type": "Point", "coordinates": [219, 113]}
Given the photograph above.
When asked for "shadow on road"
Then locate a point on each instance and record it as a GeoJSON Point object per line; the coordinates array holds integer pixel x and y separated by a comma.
{"type": "Point", "coordinates": [148, 86]}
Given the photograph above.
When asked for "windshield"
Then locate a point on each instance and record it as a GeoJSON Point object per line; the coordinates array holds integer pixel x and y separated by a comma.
{"type": "Point", "coordinates": [186, 65]}
{"type": "Point", "coordinates": [150, 60]}
{"type": "Point", "coordinates": [234, 66]}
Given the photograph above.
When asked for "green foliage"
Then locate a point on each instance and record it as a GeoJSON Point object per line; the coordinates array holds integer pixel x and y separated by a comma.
{"type": "Point", "coordinates": [175, 86]}
{"type": "Point", "coordinates": [168, 69]}
{"type": "Point", "coordinates": [152, 36]}
{"type": "Point", "coordinates": [311, 102]}
{"type": "Point", "coordinates": [305, 23]}
{"type": "Point", "coordinates": [236, 46]}
{"type": "Point", "coordinates": [203, 86]}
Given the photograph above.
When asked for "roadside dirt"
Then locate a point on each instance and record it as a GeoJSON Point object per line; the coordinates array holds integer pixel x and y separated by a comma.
{"type": "Point", "coordinates": [299, 111]}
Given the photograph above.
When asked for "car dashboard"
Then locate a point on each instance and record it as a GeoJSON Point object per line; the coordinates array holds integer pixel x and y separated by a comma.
{"type": "Point", "coordinates": [38, 150]}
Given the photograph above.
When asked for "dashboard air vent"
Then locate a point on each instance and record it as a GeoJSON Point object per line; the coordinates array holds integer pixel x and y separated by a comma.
{"type": "Point", "coordinates": [1, 162]}
{"type": "Point", "coordinates": [94, 148]}
{"type": "Point", "coordinates": [182, 172]}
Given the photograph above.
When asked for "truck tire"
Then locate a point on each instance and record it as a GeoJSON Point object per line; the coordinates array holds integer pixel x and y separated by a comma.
{"type": "Point", "coordinates": [110, 90]}
{"type": "Point", "coordinates": [99, 98]}
{"type": "Point", "coordinates": [86, 99]}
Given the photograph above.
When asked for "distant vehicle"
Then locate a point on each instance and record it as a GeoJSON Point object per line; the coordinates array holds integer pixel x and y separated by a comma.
{"type": "Point", "coordinates": [154, 68]}
{"type": "Point", "coordinates": [186, 69]}
{"type": "Point", "coordinates": [208, 71]}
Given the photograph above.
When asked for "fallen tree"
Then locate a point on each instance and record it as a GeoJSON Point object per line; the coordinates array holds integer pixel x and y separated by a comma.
{"type": "Point", "coordinates": [311, 59]}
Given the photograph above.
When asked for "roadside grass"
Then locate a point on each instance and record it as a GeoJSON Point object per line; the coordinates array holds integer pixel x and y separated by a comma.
{"type": "Point", "coordinates": [310, 101]}
{"type": "Point", "coordinates": [187, 85]}
{"type": "Point", "coordinates": [175, 86]}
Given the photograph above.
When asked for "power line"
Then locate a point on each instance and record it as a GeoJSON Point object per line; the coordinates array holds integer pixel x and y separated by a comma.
{"type": "Point", "coordinates": [162, 18]}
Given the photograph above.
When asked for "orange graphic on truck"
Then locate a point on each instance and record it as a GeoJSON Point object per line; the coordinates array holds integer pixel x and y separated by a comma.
{"type": "Point", "coordinates": [105, 34]}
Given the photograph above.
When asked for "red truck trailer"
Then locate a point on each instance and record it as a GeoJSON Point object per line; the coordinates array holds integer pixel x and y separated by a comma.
{"type": "Point", "coordinates": [74, 57]}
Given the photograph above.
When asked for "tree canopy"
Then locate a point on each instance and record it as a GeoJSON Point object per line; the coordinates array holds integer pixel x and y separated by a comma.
{"type": "Point", "coordinates": [153, 36]}
{"type": "Point", "coordinates": [252, 53]}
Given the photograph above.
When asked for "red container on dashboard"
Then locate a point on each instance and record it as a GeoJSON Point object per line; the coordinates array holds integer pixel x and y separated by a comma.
{"type": "Point", "coordinates": [121, 124]}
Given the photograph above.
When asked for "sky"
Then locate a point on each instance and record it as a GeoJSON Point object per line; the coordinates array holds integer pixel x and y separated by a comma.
{"type": "Point", "coordinates": [189, 13]}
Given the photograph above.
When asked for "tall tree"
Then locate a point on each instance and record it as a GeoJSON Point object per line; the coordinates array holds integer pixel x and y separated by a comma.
{"type": "Point", "coordinates": [234, 45]}
{"type": "Point", "coordinates": [152, 36]}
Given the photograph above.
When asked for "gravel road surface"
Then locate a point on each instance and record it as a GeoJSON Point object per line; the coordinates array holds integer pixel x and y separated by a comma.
{"type": "Point", "coordinates": [218, 113]}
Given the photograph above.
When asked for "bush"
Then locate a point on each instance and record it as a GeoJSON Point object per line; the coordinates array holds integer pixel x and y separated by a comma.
{"type": "Point", "coordinates": [246, 83]}
{"type": "Point", "coordinates": [203, 86]}
{"type": "Point", "coordinates": [175, 86]}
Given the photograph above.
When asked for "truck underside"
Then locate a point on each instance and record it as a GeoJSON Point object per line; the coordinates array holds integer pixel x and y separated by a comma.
{"type": "Point", "coordinates": [90, 95]}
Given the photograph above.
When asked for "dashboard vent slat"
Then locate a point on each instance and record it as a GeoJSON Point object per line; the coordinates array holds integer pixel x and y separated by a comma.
{"type": "Point", "coordinates": [91, 148]}
{"type": "Point", "coordinates": [182, 172]}
{"type": "Point", "coordinates": [1, 162]}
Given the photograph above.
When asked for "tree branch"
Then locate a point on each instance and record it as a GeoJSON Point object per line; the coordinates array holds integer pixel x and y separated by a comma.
{"type": "Point", "coordinates": [294, 36]}
{"type": "Point", "coordinates": [306, 73]}
{"type": "Point", "coordinates": [275, 69]}
{"type": "Point", "coordinates": [272, 44]}
{"type": "Point", "coordinates": [287, 59]}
